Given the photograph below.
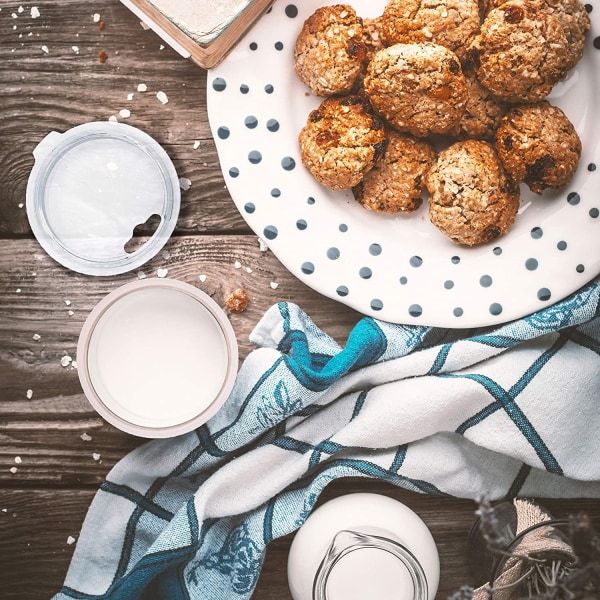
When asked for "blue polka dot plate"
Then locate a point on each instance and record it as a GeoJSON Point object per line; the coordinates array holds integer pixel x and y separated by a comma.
{"type": "Point", "coordinates": [396, 268]}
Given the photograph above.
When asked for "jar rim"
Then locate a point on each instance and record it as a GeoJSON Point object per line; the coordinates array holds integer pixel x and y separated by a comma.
{"type": "Point", "coordinates": [347, 541]}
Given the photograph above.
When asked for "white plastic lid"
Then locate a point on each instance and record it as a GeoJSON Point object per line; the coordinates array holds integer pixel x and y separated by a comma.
{"type": "Point", "coordinates": [91, 186]}
{"type": "Point", "coordinates": [157, 357]}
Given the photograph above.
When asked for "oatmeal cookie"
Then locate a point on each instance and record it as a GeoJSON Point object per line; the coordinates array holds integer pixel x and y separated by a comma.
{"type": "Point", "coordinates": [330, 51]}
{"type": "Point", "coordinates": [341, 141]}
{"type": "Point", "coordinates": [417, 88]}
{"type": "Point", "coordinates": [373, 40]}
{"type": "Point", "coordinates": [573, 18]}
{"type": "Point", "coordinates": [472, 200]}
{"type": "Point", "coordinates": [482, 112]}
{"type": "Point", "coordinates": [538, 145]}
{"type": "Point", "coordinates": [396, 182]}
{"type": "Point", "coordinates": [520, 53]}
{"type": "Point", "coordinates": [373, 36]}
{"type": "Point", "coordinates": [575, 22]}
{"type": "Point", "coordinates": [450, 23]}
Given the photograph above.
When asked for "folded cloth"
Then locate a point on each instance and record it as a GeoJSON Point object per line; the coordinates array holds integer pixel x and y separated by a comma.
{"type": "Point", "coordinates": [502, 412]}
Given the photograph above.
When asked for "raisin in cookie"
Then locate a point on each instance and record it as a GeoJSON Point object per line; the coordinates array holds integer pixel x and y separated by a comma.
{"type": "Point", "coordinates": [417, 88]}
{"type": "Point", "coordinates": [472, 199]}
{"type": "Point", "coordinates": [450, 23]}
{"type": "Point", "coordinates": [538, 145]}
{"type": "Point", "coordinates": [396, 182]}
{"type": "Point", "coordinates": [330, 51]}
{"type": "Point", "coordinates": [520, 52]}
{"type": "Point", "coordinates": [341, 141]}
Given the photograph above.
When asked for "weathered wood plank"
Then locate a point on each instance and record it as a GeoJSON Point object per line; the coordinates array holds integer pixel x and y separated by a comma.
{"type": "Point", "coordinates": [35, 526]}
{"type": "Point", "coordinates": [43, 309]}
{"type": "Point", "coordinates": [61, 88]}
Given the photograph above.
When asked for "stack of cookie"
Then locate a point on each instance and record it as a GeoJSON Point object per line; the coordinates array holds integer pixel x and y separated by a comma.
{"type": "Point", "coordinates": [444, 96]}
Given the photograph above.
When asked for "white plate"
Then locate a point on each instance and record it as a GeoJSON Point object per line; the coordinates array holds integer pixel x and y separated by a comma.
{"type": "Point", "coordinates": [396, 268]}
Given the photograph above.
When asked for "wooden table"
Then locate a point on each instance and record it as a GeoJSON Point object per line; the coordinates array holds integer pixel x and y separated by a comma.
{"type": "Point", "coordinates": [54, 449]}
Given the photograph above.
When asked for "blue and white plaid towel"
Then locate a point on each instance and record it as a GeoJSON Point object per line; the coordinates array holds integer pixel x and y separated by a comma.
{"type": "Point", "coordinates": [504, 412]}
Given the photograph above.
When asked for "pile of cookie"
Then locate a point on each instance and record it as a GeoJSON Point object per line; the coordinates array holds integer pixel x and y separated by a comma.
{"type": "Point", "coordinates": [443, 96]}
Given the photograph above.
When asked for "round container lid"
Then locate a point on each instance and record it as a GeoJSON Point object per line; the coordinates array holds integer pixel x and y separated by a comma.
{"type": "Point", "coordinates": [91, 186]}
{"type": "Point", "coordinates": [157, 357]}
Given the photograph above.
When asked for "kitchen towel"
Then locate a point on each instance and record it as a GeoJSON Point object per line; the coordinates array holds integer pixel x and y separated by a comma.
{"type": "Point", "coordinates": [506, 411]}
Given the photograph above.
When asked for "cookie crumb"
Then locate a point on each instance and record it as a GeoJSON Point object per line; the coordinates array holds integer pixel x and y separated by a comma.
{"type": "Point", "coordinates": [237, 301]}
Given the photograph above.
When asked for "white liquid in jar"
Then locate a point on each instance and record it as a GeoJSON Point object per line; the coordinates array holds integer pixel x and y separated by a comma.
{"type": "Point", "coordinates": [369, 573]}
{"type": "Point", "coordinates": [364, 573]}
{"type": "Point", "coordinates": [157, 357]}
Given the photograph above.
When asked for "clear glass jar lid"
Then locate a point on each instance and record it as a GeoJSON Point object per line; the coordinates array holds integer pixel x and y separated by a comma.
{"type": "Point", "coordinates": [89, 189]}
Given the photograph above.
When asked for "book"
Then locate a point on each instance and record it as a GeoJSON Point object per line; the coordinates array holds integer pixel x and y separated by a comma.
{"type": "Point", "coordinates": [204, 31]}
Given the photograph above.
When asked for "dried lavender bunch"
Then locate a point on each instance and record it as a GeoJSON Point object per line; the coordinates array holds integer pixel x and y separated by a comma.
{"type": "Point", "coordinates": [551, 579]}
{"type": "Point", "coordinates": [583, 582]}
{"type": "Point", "coordinates": [464, 593]}
{"type": "Point", "coordinates": [496, 535]}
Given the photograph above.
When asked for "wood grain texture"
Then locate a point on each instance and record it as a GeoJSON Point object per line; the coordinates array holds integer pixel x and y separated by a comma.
{"type": "Point", "coordinates": [32, 520]}
{"type": "Point", "coordinates": [51, 79]}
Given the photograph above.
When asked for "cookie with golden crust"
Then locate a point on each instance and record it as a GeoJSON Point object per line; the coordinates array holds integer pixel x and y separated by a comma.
{"type": "Point", "coordinates": [472, 200]}
{"type": "Point", "coordinates": [396, 182]}
{"type": "Point", "coordinates": [450, 23]}
{"type": "Point", "coordinates": [482, 112]}
{"type": "Point", "coordinates": [575, 21]}
{"type": "Point", "coordinates": [573, 18]}
{"type": "Point", "coordinates": [520, 53]}
{"type": "Point", "coordinates": [373, 36]}
{"type": "Point", "coordinates": [341, 141]}
{"type": "Point", "coordinates": [418, 88]}
{"type": "Point", "coordinates": [539, 145]}
{"type": "Point", "coordinates": [330, 51]}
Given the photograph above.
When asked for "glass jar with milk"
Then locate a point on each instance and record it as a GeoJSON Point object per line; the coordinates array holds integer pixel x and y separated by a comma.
{"type": "Point", "coordinates": [361, 546]}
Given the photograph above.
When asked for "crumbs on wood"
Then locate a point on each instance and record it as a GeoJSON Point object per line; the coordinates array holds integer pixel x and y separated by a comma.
{"type": "Point", "coordinates": [237, 301]}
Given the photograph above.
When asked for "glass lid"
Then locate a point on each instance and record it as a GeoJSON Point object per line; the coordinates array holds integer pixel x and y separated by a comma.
{"type": "Point", "coordinates": [91, 187]}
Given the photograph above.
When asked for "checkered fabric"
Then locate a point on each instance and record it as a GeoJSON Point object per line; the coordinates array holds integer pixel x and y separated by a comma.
{"type": "Point", "coordinates": [508, 411]}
